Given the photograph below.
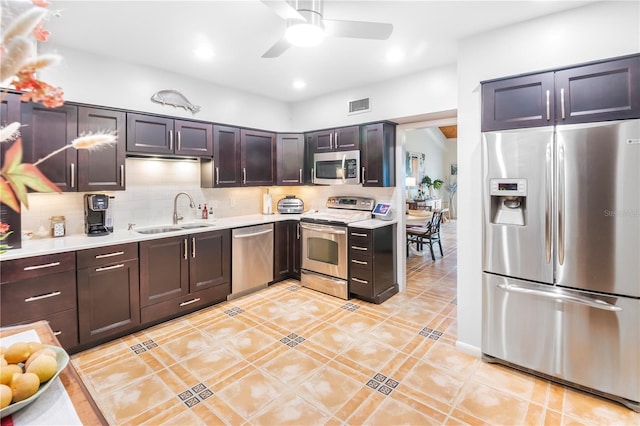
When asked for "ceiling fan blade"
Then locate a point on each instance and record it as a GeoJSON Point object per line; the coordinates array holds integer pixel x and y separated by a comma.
{"type": "Point", "coordinates": [283, 9]}
{"type": "Point", "coordinates": [277, 49]}
{"type": "Point", "coordinates": [358, 29]}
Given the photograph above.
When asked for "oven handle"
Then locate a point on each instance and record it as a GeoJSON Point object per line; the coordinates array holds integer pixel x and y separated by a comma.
{"type": "Point", "coordinates": [324, 228]}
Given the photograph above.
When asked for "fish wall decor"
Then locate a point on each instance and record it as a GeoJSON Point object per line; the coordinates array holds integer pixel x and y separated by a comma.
{"type": "Point", "coordinates": [175, 99]}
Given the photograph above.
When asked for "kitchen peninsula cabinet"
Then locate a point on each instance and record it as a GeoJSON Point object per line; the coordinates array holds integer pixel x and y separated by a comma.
{"type": "Point", "coordinates": [340, 139]}
{"type": "Point", "coordinates": [372, 263]}
{"type": "Point", "coordinates": [290, 159]}
{"type": "Point", "coordinates": [149, 134]}
{"type": "Point", "coordinates": [378, 155]}
{"type": "Point", "coordinates": [181, 274]}
{"type": "Point", "coordinates": [287, 250]}
{"type": "Point", "coordinates": [41, 288]}
{"type": "Point", "coordinates": [108, 291]}
{"type": "Point", "coordinates": [608, 90]}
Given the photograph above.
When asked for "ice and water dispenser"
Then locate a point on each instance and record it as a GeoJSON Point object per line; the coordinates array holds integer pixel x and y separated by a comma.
{"type": "Point", "coordinates": [508, 201]}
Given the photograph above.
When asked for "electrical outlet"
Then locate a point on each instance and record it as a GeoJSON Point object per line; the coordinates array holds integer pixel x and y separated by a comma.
{"type": "Point", "coordinates": [232, 202]}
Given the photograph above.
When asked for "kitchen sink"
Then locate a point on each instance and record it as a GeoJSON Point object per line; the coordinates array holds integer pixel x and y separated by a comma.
{"type": "Point", "coordinates": [194, 225]}
{"type": "Point", "coordinates": [158, 229]}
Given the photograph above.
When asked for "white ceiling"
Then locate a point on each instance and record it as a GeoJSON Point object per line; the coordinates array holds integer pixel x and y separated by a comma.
{"type": "Point", "coordinates": [163, 34]}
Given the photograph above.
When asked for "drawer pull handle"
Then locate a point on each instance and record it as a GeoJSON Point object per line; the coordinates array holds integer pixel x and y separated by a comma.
{"type": "Point", "coordinates": [360, 281]}
{"type": "Point", "coordinates": [188, 302]}
{"type": "Point", "coordinates": [357, 234]}
{"type": "Point", "coordinates": [46, 265]}
{"type": "Point", "coordinates": [359, 248]}
{"type": "Point", "coordinates": [102, 256]}
{"type": "Point", "coordinates": [57, 333]}
{"type": "Point", "coordinates": [108, 268]}
{"type": "Point", "coordinates": [359, 262]}
{"type": "Point", "coordinates": [42, 296]}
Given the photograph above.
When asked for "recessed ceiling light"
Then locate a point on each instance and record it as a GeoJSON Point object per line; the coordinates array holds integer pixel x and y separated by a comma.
{"type": "Point", "coordinates": [203, 51]}
{"type": "Point", "coordinates": [395, 55]}
{"type": "Point", "coordinates": [299, 84]}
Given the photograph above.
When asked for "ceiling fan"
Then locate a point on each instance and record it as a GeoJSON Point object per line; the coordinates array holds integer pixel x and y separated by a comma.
{"type": "Point", "coordinates": [307, 27]}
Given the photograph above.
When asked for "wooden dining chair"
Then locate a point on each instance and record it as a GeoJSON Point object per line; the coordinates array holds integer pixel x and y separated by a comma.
{"type": "Point", "coordinates": [427, 235]}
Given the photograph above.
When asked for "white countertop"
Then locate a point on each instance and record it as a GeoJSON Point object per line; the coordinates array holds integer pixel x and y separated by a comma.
{"type": "Point", "coordinates": [39, 247]}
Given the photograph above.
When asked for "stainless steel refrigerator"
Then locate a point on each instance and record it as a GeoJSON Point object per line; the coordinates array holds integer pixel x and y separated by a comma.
{"type": "Point", "coordinates": [561, 261]}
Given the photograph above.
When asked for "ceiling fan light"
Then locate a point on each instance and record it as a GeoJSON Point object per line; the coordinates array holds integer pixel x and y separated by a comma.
{"type": "Point", "coordinates": [304, 34]}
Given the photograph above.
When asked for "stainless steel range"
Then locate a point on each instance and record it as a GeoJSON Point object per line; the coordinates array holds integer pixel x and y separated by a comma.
{"type": "Point", "coordinates": [324, 244]}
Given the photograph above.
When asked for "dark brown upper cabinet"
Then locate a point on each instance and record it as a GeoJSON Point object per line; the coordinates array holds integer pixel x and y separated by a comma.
{"type": "Point", "coordinates": [224, 171]}
{"type": "Point", "coordinates": [149, 134]}
{"type": "Point", "coordinates": [340, 139]}
{"type": "Point", "coordinates": [378, 155]}
{"type": "Point", "coordinates": [290, 159]}
{"type": "Point", "coordinates": [257, 158]}
{"type": "Point", "coordinates": [102, 169]}
{"type": "Point", "coordinates": [607, 90]}
{"type": "Point", "coordinates": [45, 130]}
{"type": "Point", "coordinates": [599, 92]}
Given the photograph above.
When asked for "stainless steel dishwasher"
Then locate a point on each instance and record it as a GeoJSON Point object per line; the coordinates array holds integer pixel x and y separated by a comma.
{"type": "Point", "coordinates": [252, 259]}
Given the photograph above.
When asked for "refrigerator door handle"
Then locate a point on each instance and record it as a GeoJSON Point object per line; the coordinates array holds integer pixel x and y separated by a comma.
{"type": "Point", "coordinates": [561, 202]}
{"type": "Point", "coordinates": [592, 303]}
{"type": "Point", "coordinates": [548, 200]}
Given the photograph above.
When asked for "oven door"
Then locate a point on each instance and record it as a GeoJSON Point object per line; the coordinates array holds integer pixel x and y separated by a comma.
{"type": "Point", "coordinates": [336, 168]}
{"type": "Point", "coordinates": [324, 249]}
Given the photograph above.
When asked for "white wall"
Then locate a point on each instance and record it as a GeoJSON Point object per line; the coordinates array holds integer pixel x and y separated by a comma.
{"type": "Point", "coordinates": [428, 91]}
{"type": "Point", "coordinates": [597, 31]}
{"type": "Point", "coordinates": [104, 81]}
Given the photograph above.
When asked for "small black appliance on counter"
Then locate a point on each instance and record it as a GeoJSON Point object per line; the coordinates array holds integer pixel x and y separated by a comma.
{"type": "Point", "coordinates": [95, 214]}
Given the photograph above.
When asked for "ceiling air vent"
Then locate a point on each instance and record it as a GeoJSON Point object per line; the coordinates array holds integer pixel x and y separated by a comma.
{"type": "Point", "coordinates": [360, 106]}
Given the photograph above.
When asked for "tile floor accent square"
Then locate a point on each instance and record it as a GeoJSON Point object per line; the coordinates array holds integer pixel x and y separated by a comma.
{"type": "Point", "coordinates": [292, 340]}
{"type": "Point", "coordinates": [138, 348]}
{"type": "Point", "coordinates": [293, 288]}
{"type": "Point", "coordinates": [383, 384]}
{"type": "Point", "coordinates": [195, 395]}
{"type": "Point", "coordinates": [234, 311]}
{"type": "Point", "coordinates": [350, 307]}
{"type": "Point", "coordinates": [430, 333]}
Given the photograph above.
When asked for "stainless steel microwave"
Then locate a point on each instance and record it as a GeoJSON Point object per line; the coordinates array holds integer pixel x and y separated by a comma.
{"type": "Point", "coordinates": [336, 168]}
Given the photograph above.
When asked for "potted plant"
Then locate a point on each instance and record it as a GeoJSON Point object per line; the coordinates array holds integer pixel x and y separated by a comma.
{"type": "Point", "coordinates": [435, 184]}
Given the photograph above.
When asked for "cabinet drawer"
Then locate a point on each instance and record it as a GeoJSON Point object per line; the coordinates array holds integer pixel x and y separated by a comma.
{"type": "Point", "coordinates": [107, 255]}
{"type": "Point", "coordinates": [188, 303]}
{"type": "Point", "coordinates": [63, 324]}
{"type": "Point", "coordinates": [360, 259]}
{"type": "Point", "coordinates": [362, 274]}
{"type": "Point", "coordinates": [37, 297]}
{"type": "Point", "coordinates": [360, 282]}
{"type": "Point", "coordinates": [20, 269]}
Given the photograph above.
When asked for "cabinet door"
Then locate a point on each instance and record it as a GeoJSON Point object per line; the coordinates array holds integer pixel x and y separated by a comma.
{"type": "Point", "coordinates": [257, 158]}
{"type": "Point", "coordinates": [320, 141]}
{"type": "Point", "coordinates": [347, 138]}
{"type": "Point", "coordinates": [290, 152]}
{"type": "Point", "coordinates": [164, 269]}
{"type": "Point", "coordinates": [102, 169]}
{"type": "Point", "coordinates": [378, 155]}
{"type": "Point", "coordinates": [45, 130]}
{"type": "Point", "coordinates": [518, 102]}
{"type": "Point", "coordinates": [599, 92]}
{"type": "Point", "coordinates": [149, 134]}
{"type": "Point", "coordinates": [210, 260]}
{"type": "Point", "coordinates": [282, 249]}
{"type": "Point", "coordinates": [108, 300]}
{"type": "Point", "coordinates": [226, 156]}
{"type": "Point", "coordinates": [194, 138]}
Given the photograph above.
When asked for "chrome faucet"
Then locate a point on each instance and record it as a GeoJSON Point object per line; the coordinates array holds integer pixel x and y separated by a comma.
{"type": "Point", "coordinates": [176, 218]}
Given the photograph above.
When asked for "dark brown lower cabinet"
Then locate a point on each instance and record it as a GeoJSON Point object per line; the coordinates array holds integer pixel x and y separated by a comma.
{"type": "Point", "coordinates": [108, 292]}
{"type": "Point", "coordinates": [372, 263]}
{"type": "Point", "coordinates": [182, 274]}
{"type": "Point", "coordinates": [286, 253]}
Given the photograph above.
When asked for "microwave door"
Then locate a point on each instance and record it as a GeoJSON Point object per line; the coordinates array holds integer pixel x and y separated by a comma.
{"type": "Point", "coordinates": [344, 170]}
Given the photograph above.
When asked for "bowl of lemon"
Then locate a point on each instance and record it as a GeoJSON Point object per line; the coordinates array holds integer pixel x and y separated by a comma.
{"type": "Point", "coordinates": [27, 369]}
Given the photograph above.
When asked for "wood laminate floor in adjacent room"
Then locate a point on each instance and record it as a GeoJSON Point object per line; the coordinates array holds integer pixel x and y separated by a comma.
{"type": "Point", "coordinates": [289, 355]}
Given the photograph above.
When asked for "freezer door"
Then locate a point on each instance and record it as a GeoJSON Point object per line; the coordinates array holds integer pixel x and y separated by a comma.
{"type": "Point", "coordinates": [585, 338]}
{"type": "Point", "coordinates": [526, 250]}
{"type": "Point", "coordinates": [598, 220]}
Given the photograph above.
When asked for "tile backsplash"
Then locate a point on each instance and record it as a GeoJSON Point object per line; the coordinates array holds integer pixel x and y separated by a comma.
{"type": "Point", "coordinates": [152, 185]}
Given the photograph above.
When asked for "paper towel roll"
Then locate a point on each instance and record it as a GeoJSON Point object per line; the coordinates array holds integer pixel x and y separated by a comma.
{"type": "Point", "coordinates": [266, 204]}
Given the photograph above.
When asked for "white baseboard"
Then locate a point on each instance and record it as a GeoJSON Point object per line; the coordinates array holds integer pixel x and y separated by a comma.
{"type": "Point", "coordinates": [469, 349]}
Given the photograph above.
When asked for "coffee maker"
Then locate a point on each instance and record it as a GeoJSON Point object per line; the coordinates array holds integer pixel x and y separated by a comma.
{"type": "Point", "coordinates": [96, 208]}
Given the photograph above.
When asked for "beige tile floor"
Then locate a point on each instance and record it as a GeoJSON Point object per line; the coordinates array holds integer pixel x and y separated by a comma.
{"type": "Point", "coordinates": [289, 355]}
